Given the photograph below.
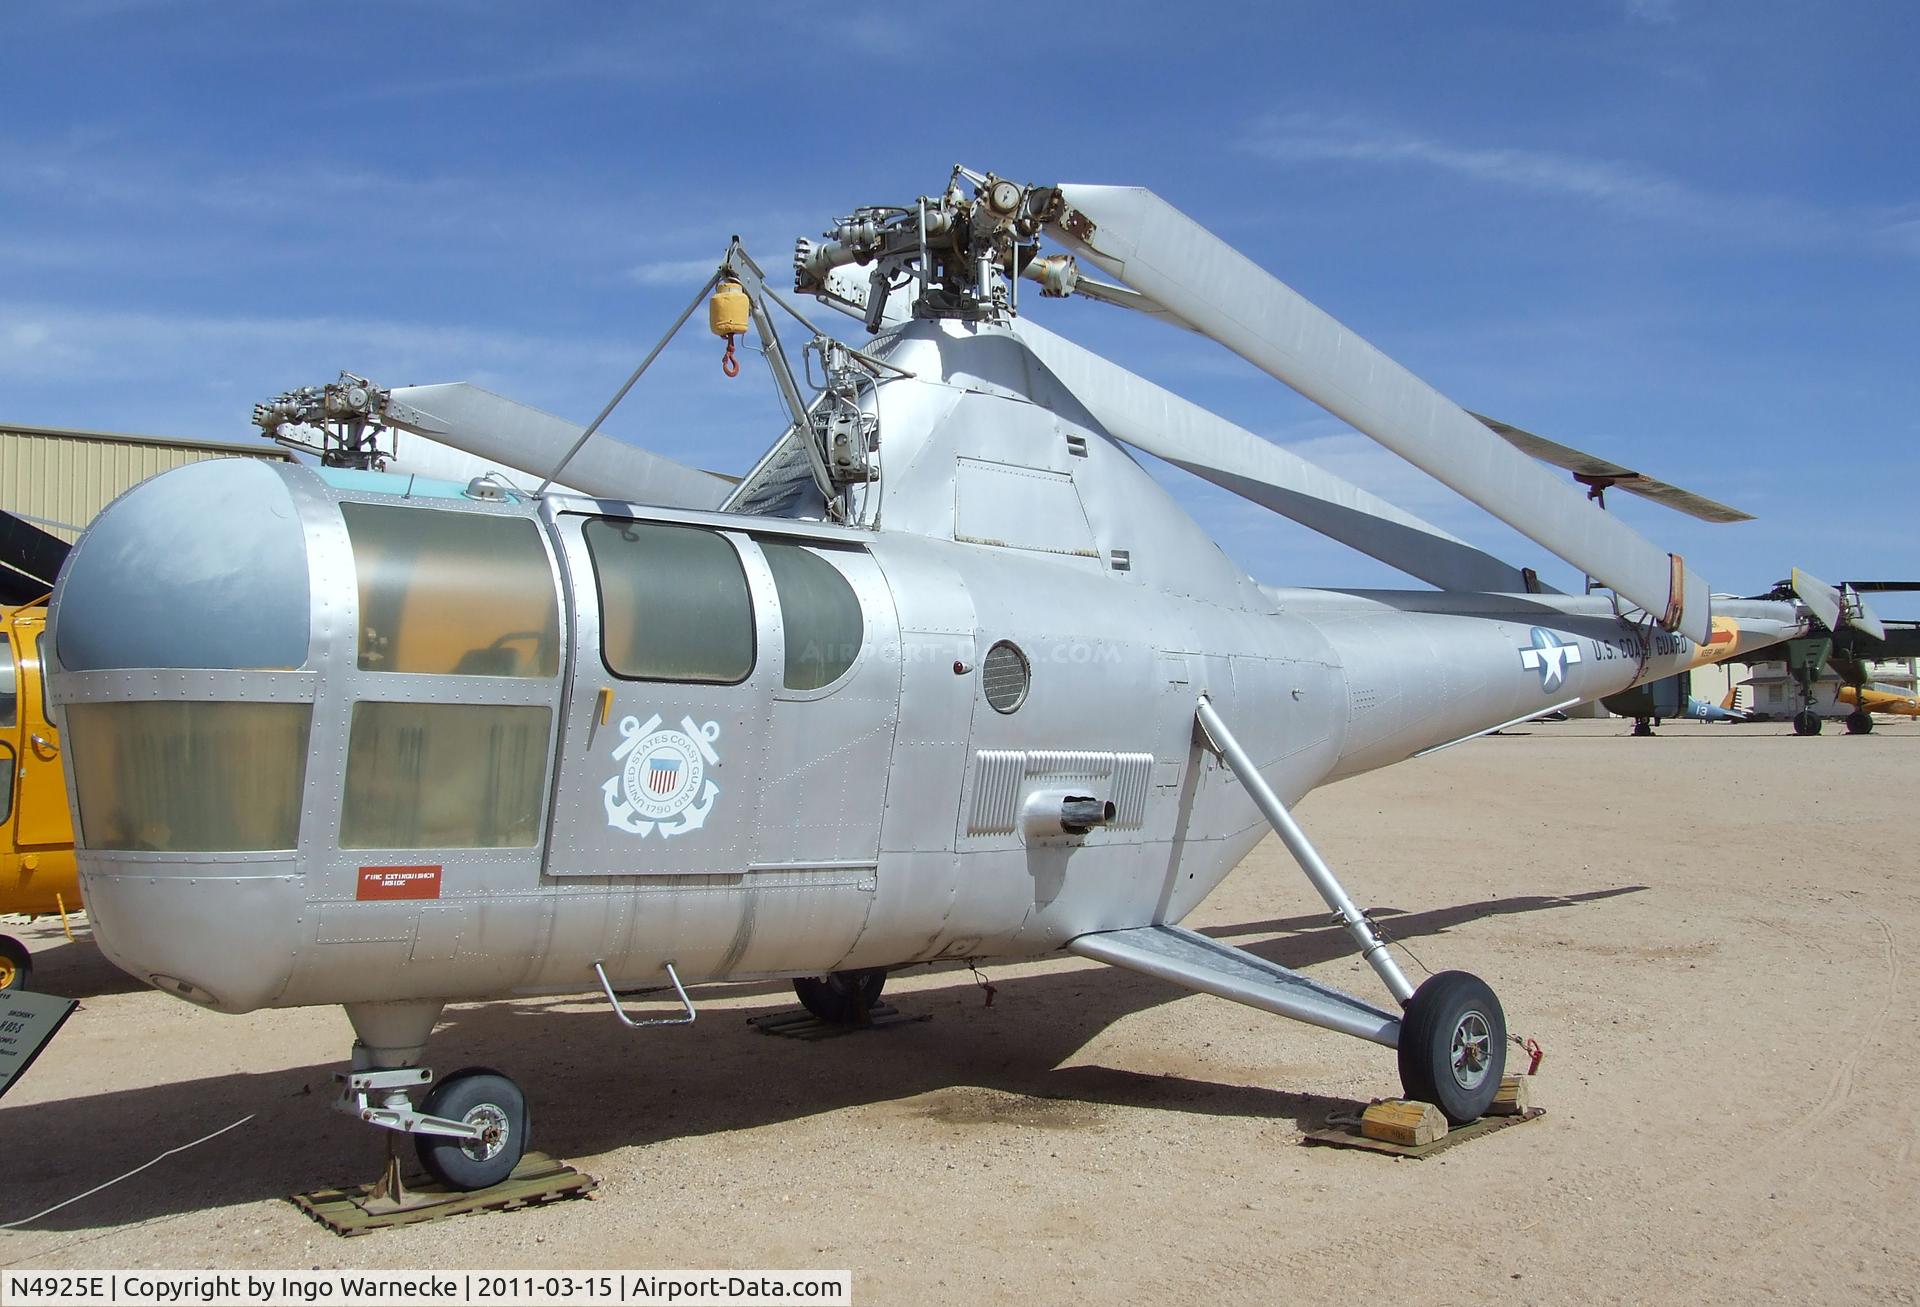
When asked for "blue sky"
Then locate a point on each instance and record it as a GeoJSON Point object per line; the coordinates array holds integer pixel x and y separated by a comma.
{"type": "Point", "coordinates": [1685, 236]}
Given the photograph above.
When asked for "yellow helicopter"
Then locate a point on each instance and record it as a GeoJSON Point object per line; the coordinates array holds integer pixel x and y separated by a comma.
{"type": "Point", "coordinates": [37, 872]}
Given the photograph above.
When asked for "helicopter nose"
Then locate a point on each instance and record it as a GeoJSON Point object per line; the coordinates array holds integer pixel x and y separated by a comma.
{"type": "Point", "coordinates": [180, 630]}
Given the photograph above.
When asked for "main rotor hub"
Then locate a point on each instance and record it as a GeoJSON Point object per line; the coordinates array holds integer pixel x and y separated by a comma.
{"type": "Point", "coordinates": [961, 252]}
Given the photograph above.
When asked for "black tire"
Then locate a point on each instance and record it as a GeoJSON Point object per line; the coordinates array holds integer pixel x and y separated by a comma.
{"type": "Point", "coordinates": [1806, 722]}
{"type": "Point", "coordinates": [842, 998]}
{"type": "Point", "coordinates": [483, 1096]}
{"type": "Point", "coordinates": [1453, 1045]}
{"type": "Point", "coordinates": [1859, 722]}
{"type": "Point", "coordinates": [1643, 728]}
{"type": "Point", "coordinates": [16, 964]}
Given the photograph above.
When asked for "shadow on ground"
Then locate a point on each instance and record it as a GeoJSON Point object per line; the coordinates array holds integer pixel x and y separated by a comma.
{"type": "Point", "coordinates": [594, 1089]}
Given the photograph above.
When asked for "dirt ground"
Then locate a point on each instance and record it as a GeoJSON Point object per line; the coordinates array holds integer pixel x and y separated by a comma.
{"type": "Point", "coordinates": [1712, 933]}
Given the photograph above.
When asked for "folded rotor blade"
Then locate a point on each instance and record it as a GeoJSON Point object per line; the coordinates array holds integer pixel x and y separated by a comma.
{"type": "Point", "coordinates": [1837, 608]}
{"type": "Point", "coordinates": [515, 435]}
{"type": "Point", "coordinates": [1597, 471]}
{"type": "Point", "coordinates": [1134, 235]}
{"type": "Point", "coordinates": [1149, 418]}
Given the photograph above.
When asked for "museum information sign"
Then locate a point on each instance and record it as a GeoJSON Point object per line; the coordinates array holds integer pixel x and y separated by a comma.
{"type": "Point", "coordinates": [27, 1023]}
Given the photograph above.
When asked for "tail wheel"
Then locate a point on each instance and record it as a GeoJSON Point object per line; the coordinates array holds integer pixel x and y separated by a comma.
{"type": "Point", "coordinates": [479, 1097]}
{"type": "Point", "coordinates": [16, 964]}
{"type": "Point", "coordinates": [841, 998]}
{"type": "Point", "coordinates": [1806, 722]}
{"type": "Point", "coordinates": [1453, 1045]}
{"type": "Point", "coordinates": [1859, 722]}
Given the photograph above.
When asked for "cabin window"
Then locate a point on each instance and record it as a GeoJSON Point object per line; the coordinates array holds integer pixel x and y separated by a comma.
{"type": "Point", "coordinates": [445, 776]}
{"type": "Point", "coordinates": [9, 680]}
{"type": "Point", "coordinates": [186, 776]}
{"type": "Point", "coordinates": [820, 613]}
{"type": "Point", "coordinates": [40, 668]}
{"type": "Point", "coordinates": [674, 604]}
{"type": "Point", "coordinates": [453, 594]}
{"type": "Point", "coordinates": [7, 775]}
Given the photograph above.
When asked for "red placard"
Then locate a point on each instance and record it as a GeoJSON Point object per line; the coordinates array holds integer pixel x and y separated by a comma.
{"type": "Point", "coordinates": [398, 883]}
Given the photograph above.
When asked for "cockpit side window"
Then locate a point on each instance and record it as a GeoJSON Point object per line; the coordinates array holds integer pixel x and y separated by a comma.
{"type": "Point", "coordinates": [820, 614]}
{"type": "Point", "coordinates": [674, 604]}
{"type": "Point", "coordinates": [453, 594]}
{"type": "Point", "coordinates": [184, 776]}
{"type": "Point", "coordinates": [445, 775]}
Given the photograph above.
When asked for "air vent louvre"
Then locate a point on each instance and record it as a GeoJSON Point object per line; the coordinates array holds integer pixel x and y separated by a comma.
{"type": "Point", "coordinates": [1005, 677]}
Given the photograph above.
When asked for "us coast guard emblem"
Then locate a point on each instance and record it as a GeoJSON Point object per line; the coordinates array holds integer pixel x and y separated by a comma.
{"type": "Point", "coordinates": [662, 782]}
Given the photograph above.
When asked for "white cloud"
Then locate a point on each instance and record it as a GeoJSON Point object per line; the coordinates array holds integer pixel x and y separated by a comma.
{"type": "Point", "coordinates": [1618, 185]}
{"type": "Point", "coordinates": [686, 273]}
{"type": "Point", "coordinates": [1660, 12]}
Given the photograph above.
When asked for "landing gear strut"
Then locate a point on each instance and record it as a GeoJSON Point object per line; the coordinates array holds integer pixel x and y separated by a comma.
{"type": "Point", "coordinates": [472, 1128]}
{"type": "Point", "coordinates": [1452, 1040]}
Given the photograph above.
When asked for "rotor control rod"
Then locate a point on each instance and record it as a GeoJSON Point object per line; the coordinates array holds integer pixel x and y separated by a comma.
{"type": "Point", "coordinates": [1372, 947]}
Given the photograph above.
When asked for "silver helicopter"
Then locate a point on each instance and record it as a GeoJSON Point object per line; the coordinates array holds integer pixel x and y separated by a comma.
{"type": "Point", "coordinates": [947, 675]}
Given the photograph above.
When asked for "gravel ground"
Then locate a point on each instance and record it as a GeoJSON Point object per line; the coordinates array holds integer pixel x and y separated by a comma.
{"type": "Point", "coordinates": [1711, 932]}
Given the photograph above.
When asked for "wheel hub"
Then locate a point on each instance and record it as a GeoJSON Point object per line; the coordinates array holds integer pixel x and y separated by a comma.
{"type": "Point", "coordinates": [493, 1132]}
{"type": "Point", "coordinates": [1472, 1050]}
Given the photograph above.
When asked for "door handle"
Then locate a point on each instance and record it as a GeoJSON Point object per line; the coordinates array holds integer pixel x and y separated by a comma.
{"type": "Point", "coordinates": [44, 747]}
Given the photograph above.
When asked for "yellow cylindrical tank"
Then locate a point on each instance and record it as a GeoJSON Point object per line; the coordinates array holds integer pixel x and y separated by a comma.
{"type": "Point", "coordinates": [727, 311]}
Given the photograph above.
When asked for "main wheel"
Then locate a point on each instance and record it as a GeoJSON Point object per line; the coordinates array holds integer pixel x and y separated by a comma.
{"type": "Point", "coordinates": [16, 964]}
{"type": "Point", "coordinates": [489, 1100]}
{"type": "Point", "coordinates": [841, 998]}
{"type": "Point", "coordinates": [1642, 727]}
{"type": "Point", "coordinates": [1806, 722]}
{"type": "Point", "coordinates": [1453, 1045]}
{"type": "Point", "coordinates": [1859, 722]}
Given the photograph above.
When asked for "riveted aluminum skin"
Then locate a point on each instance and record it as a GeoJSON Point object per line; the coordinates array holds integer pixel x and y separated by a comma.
{"type": "Point", "coordinates": [869, 822]}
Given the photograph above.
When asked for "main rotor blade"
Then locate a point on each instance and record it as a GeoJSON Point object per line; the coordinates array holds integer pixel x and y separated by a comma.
{"type": "Point", "coordinates": [1594, 470]}
{"type": "Point", "coordinates": [1161, 423]}
{"type": "Point", "coordinates": [1136, 236]}
{"type": "Point", "coordinates": [1835, 606]}
{"type": "Point", "coordinates": [519, 436]}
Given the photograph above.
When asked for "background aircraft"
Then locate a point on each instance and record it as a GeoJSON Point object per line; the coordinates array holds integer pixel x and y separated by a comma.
{"type": "Point", "coordinates": [37, 869]}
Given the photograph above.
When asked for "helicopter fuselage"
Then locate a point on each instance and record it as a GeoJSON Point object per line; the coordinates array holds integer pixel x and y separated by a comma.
{"type": "Point", "coordinates": [466, 748]}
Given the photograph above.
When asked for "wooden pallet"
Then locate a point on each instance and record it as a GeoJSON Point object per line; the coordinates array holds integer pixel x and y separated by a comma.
{"type": "Point", "coordinates": [1343, 1131]}
{"type": "Point", "coordinates": [802, 1024]}
{"type": "Point", "coordinates": [386, 1203]}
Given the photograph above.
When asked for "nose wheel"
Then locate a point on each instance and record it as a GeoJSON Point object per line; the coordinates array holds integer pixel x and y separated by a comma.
{"type": "Point", "coordinates": [1453, 1045]}
{"type": "Point", "coordinates": [494, 1107]}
